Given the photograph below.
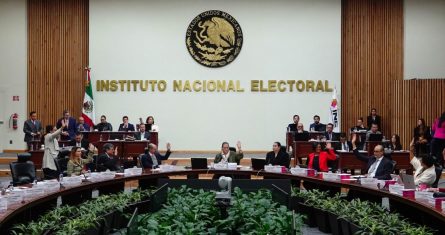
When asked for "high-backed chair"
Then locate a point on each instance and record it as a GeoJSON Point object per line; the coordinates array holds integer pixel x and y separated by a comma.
{"type": "Point", "coordinates": [438, 175]}
{"type": "Point", "coordinates": [62, 165]}
{"type": "Point", "coordinates": [22, 172]}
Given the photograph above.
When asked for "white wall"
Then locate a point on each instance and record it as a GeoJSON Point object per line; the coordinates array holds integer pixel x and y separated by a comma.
{"type": "Point", "coordinates": [13, 69]}
{"type": "Point", "coordinates": [296, 40]}
{"type": "Point", "coordinates": [424, 39]}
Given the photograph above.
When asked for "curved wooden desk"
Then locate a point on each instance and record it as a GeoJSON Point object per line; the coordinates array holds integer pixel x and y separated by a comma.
{"type": "Point", "coordinates": [419, 211]}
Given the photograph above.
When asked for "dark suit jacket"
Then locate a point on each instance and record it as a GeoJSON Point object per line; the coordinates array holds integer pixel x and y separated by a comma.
{"type": "Point", "coordinates": [338, 146]}
{"type": "Point", "coordinates": [378, 121]}
{"type": "Point", "coordinates": [29, 128]}
{"type": "Point", "coordinates": [71, 128]}
{"type": "Point", "coordinates": [148, 163]}
{"type": "Point", "coordinates": [234, 157]}
{"type": "Point", "coordinates": [104, 127]}
{"type": "Point", "coordinates": [130, 127]}
{"type": "Point", "coordinates": [281, 159]}
{"type": "Point", "coordinates": [385, 167]}
{"type": "Point", "coordinates": [137, 135]}
{"type": "Point", "coordinates": [335, 136]}
{"type": "Point", "coordinates": [105, 162]}
{"type": "Point", "coordinates": [84, 143]}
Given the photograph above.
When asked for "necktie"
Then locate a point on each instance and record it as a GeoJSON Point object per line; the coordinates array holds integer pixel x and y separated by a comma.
{"type": "Point", "coordinates": [154, 160]}
{"type": "Point", "coordinates": [373, 168]}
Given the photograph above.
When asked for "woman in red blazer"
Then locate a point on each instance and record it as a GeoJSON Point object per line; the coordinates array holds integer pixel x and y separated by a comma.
{"type": "Point", "coordinates": [318, 160]}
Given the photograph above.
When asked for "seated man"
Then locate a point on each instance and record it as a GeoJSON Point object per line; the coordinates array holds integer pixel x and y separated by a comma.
{"type": "Point", "coordinates": [344, 144]}
{"type": "Point", "coordinates": [330, 135]}
{"type": "Point", "coordinates": [277, 156]}
{"type": "Point", "coordinates": [126, 126]}
{"type": "Point", "coordinates": [227, 156]}
{"type": "Point", "coordinates": [317, 126]}
{"type": "Point", "coordinates": [377, 165]}
{"type": "Point", "coordinates": [142, 134]}
{"type": "Point", "coordinates": [293, 126]}
{"type": "Point", "coordinates": [152, 158]}
{"type": "Point", "coordinates": [78, 141]}
{"type": "Point", "coordinates": [360, 126]}
{"type": "Point", "coordinates": [82, 126]}
{"type": "Point", "coordinates": [108, 160]}
{"type": "Point", "coordinates": [103, 125]}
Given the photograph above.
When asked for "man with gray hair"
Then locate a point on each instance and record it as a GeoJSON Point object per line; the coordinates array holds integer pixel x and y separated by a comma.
{"type": "Point", "coordinates": [378, 166]}
{"type": "Point", "coordinates": [152, 158]}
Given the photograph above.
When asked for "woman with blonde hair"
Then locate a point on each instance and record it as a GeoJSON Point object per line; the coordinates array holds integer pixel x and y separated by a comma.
{"type": "Point", "coordinates": [76, 164]}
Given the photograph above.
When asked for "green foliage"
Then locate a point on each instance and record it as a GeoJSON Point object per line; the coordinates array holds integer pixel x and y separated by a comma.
{"type": "Point", "coordinates": [369, 216]}
{"type": "Point", "coordinates": [190, 211]}
{"type": "Point", "coordinates": [76, 219]}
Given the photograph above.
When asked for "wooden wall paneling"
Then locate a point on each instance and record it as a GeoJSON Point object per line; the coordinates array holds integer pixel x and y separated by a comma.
{"type": "Point", "coordinates": [372, 58]}
{"type": "Point", "coordinates": [414, 99]}
{"type": "Point", "coordinates": [57, 54]}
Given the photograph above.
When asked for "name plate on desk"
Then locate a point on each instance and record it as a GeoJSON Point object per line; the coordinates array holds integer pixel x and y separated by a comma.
{"type": "Point", "coordinates": [274, 169]}
{"type": "Point", "coordinates": [167, 168]}
{"type": "Point", "coordinates": [396, 189]}
{"type": "Point", "coordinates": [298, 171]}
{"type": "Point", "coordinates": [133, 171]}
{"type": "Point", "coordinates": [330, 176]}
{"type": "Point", "coordinates": [34, 192]}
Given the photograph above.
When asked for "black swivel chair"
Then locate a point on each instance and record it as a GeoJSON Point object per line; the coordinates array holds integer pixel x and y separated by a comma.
{"type": "Point", "coordinates": [22, 172]}
{"type": "Point", "coordinates": [62, 165]}
{"type": "Point", "coordinates": [438, 175]}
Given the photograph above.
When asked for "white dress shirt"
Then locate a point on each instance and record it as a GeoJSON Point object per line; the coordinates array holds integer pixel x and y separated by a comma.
{"type": "Point", "coordinates": [373, 168]}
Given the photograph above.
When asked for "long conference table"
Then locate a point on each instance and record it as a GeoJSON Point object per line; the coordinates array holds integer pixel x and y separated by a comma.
{"type": "Point", "coordinates": [127, 149]}
{"type": "Point", "coordinates": [347, 160]}
{"type": "Point", "coordinates": [418, 210]}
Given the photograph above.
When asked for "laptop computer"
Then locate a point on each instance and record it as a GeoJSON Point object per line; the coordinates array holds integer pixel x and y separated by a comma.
{"type": "Point", "coordinates": [199, 163]}
{"type": "Point", "coordinates": [258, 164]}
{"type": "Point", "coordinates": [408, 181]}
{"type": "Point", "coordinates": [375, 137]}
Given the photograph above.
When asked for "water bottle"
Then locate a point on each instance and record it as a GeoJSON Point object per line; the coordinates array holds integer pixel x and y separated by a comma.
{"type": "Point", "coordinates": [100, 137]}
{"type": "Point", "coordinates": [60, 177]}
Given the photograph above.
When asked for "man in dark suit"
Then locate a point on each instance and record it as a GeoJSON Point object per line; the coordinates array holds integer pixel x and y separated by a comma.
{"type": "Point", "coordinates": [293, 126]}
{"type": "Point", "coordinates": [108, 160]}
{"type": "Point", "coordinates": [329, 134]}
{"type": "Point", "coordinates": [317, 126]}
{"type": "Point", "coordinates": [142, 134]}
{"type": "Point", "coordinates": [277, 156]}
{"type": "Point", "coordinates": [152, 158]}
{"type": "Point", "coordinates": [69, 132]}
{"type": "Point", "coordinates": [377, 165]}
{"type": "Point", "coordinates": [373, 118]}
{"type": "Point", "coordinates": [78, 141]}
{"type": "Point", "coordinates": [344, 144]}
{"type": "Point", "coordinates": [32, 128]}
{"type": "Point", "coordinates": [126, 126]}
{"type": "Point", "coordinates": [82, 126]}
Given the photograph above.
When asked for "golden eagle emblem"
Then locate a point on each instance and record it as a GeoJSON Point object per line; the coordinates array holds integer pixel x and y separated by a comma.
{"type": "Point", "coordinates": [214, 38]}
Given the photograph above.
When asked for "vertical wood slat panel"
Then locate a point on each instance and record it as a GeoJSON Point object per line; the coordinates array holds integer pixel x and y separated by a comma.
{"type": "Point", "coordinates": [57, 54]}
{"type": "Point", "coordinates": [372, 58]}
{"type": "Point", "coordinates": [422, 98]}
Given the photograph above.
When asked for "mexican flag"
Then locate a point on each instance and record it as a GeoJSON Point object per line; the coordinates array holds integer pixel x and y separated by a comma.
{"type": "Point", "coordinates": [333, 112]}
{"type": "Point", "coordinates": [88, 102]}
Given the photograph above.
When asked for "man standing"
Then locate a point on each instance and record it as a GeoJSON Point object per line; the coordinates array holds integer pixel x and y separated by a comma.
{"type": "Point", "coordinates": [126, 126]}
{"type": "Point", "coordinates": [152, 158]}
{"type": "Point", "coordinates": [377, 165]}
{"type": "Point", "coordinates": [293, 126]}
{"type": "Point", "coordinates": [373, 118]}
{"type": "Point", "coordinates": [32, 129]}
{"type": "Point", "coordinates": [69, 132]}
{"type": "Point", "coordinates": [227, 156]}
{"type": "Point", "coordinates": [317, 126]}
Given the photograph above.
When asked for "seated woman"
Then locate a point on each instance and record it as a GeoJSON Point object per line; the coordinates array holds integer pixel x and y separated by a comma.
{"type": "Point", "coordinates": [394, 143]}
{"type": "Point", "coordinates": [76, 164]}
{"type": "Point", "coordinates": [277, 156]}
{"type": "Point", "coordinates": [425, 170]}
{"type": "Point", "coordinates": [421, 138]}
{"type": "Point", "coordinates": [150, 125]}
{"type": "Point", "coordinates": [318, 160]}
